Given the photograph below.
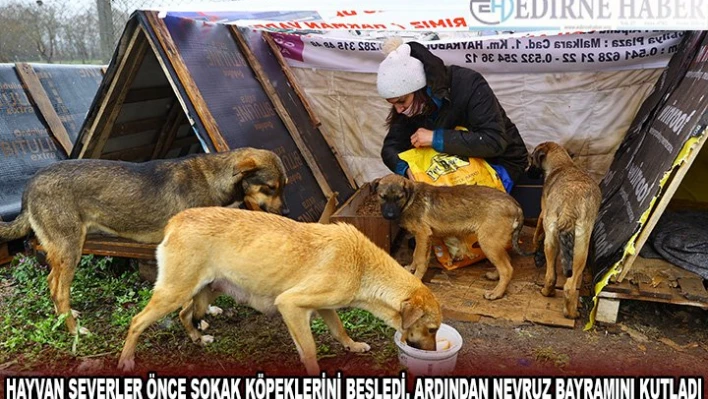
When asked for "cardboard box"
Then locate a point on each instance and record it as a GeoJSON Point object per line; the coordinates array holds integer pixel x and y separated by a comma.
{"type": "Point", "coordinates": [381, 231]}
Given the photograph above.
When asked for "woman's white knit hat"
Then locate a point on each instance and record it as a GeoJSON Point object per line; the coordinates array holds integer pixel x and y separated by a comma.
{"type": "Point", "coordinates": [399, 73]}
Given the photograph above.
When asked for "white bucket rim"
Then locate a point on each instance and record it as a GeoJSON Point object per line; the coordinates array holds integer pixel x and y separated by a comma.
{"type": "Point", "coordinates": [456, 345]}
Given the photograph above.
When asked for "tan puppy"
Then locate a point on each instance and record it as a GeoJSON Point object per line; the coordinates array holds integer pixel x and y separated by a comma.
{"type": "Point", "coordinates": [65, 201]}
{"type": "Point", "coordinates": [429, 211]}
{"type": "Point", "coordinates": [272, 262]}
{"type": "Point", "coordinates": [569, 207]}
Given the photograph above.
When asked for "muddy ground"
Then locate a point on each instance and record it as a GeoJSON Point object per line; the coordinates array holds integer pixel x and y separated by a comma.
{"type": "Point", "coordinates": [649, 339]}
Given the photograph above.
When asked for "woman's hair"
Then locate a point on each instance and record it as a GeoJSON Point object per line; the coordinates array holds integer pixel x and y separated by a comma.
{"type": "Point", "coordinates": [419, 96]}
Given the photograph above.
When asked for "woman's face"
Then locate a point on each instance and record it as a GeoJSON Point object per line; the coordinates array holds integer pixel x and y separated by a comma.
{"type": "Point", "coordinates": [401, 103]}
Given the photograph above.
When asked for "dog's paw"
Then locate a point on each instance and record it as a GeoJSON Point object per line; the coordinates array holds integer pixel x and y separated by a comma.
{"type": "Point", "coordinates": [75, 313]}
{"type": "Point", "coordinates": [492, 295]}
{"type": "Point", "coordinates": [214, 310]}
{"type": "Point", "coordinates": [84, 331]}
{"type": "Point", "coordinates": [126, 365]}
{"type": "Point", "coordinates": [358, 347]}
{"type": "Point", "coordinates": [572, 314]}
{"type": "Point", "coordinates": [206, 339]}
{"type": "Point", "coordinates": [409, 268]}
{"type": "Point", "coordinates": [548, 291]}
{"type": "Point", "coordinates": [539, 258]}
{"type": "Point", "coordinates": [203, 325]}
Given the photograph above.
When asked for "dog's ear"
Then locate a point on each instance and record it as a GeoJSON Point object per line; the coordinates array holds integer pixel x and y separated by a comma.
{"type": "Point", "coordinates": [245, 166]}
{"type": "Point", "coordinates": [539, 155]}
{"type": "Point", "coordinates": [375, 184]}
{"type": "Point", "coordinates": [410, 313]}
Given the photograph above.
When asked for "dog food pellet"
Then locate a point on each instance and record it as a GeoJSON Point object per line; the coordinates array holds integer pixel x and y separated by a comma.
{"type": "Point", "coordinates": [442, 345]}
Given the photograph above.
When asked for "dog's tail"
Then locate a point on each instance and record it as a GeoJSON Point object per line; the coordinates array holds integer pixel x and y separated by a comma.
{"type": "Point", "coordinates": [18, 228]}
{"type": "Point", "coordinates": [518, 225]}
{"type": "Point", "coordinates": [567, 243]}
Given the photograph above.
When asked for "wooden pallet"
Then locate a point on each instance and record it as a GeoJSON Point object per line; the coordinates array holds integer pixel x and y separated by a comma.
{"type": "Point", "coordinates": [461, 291]}
{"type": "Point", "coordinates": [654, 280]}
{"type": "Point", "coordinates": [112, 246]}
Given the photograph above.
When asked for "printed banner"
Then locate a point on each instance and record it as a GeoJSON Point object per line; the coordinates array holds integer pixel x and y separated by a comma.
{"type": "Point", "coordinates": [457, 15]}
{"type": "Point", "coordinates": [520, 53]}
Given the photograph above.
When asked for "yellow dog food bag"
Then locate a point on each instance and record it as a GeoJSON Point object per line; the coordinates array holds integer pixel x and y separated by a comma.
{"type": "Point", "coordinates": [440, 169]}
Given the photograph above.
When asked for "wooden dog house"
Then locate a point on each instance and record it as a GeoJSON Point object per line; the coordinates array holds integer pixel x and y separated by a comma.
{"type": "Point", "coordinates": [178, 86]}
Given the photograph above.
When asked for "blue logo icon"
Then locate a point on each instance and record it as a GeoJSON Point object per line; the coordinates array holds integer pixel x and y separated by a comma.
{"type": "Point", "coordinates": [491, 12]}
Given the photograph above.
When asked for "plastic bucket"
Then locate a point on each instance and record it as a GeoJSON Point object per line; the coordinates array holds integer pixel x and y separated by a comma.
{"type": "Point", "coordinates": [439, 362]}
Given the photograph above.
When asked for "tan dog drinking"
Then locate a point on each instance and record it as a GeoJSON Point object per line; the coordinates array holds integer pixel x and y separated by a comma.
{"type": "Point", "coordinates": [272, 262]}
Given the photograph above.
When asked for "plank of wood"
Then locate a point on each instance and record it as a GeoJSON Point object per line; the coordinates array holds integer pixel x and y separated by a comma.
{"type": "Point", "coordinates": [676, 300]}
{"type": "Point", "coordinates": [4, 254]}
{"type": "Point", "coordinates": [308, 107]}
{"type": "Point", "coordinates": [281, 110]}
{"type": "Point", "coordinates": [31, 81]}
{"type": "Point", "coordinates": [111, 246]}
{"type": "Point", "coordinates": [166, 137]}
{"type": "Point", "coordinates": [185, 78]}
{"type": "Point", "coordinates": [102, 124]}
{"type": "Point", "coordinates": [137, 126]}
{"type": "Point", "coordinates": [145, 152]}
{"type": "Point", "coordinates": [291, 78]}
{"type": "Point", "coordinates": [624, 287]}
{"type": "Point", "coordinates": [693, 289]}
{"type": "Point", "coordinates": [548, 317]}
{"type": "Point", "coordinates": [660, 291]}
{"type": "Point", "coordinates": [663, 202]}
{"type": "Point", "coordinates": [149, 94]}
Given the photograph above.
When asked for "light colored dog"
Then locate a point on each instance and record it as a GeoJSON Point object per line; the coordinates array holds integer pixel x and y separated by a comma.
{"type": "Point", "coordinates": [272, 262]}
{"type": "Point", "coordinates": [569, 206]}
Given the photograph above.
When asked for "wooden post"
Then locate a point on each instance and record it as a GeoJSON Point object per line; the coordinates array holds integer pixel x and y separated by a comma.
{"type": "Point", "coordinates": [308, 107]}
{"type": "Point", "coordinates": [30, 79]}
{"type": "Point", "coordinates": [291, 78]}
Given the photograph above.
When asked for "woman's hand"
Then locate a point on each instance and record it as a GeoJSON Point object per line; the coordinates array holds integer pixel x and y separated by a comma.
{"type": "Point", "coordinates": [422, 138]}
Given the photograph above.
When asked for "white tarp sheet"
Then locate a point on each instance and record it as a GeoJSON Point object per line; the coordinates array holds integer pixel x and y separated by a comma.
{"type": "Point", "coordinates": [588, 112]}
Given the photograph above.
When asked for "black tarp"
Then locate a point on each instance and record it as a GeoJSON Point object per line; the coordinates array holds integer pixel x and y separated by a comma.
{"type": "Point", "coordinates": [26, 145]}
{"type": "Point", "coordinates": [673, 113]}
{"type": "Point", "coordinates": [244, 113]}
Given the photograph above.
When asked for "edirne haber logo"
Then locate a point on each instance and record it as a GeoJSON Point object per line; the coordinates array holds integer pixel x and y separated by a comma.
{"type": "Point", "coordinates": [495, 12]}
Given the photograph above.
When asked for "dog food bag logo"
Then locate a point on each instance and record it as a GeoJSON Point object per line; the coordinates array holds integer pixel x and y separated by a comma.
{"type": "Point", "coordinates": [443, 164]}
{"type": "Point", "coordinates": [491, 12]}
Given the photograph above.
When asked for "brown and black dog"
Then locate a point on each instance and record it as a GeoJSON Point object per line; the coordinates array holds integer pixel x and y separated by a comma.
{"type": "Point", "coordinates": [569, 206]}
{"type": "Point", "coordinates": [274, 263]}
{"type": "Point", "coordinates": [429, 211]}
{"type": "Point", "coordinates": [65, 201]}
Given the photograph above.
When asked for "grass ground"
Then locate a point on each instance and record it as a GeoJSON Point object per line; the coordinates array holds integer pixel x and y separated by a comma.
{"type": "Point", "coordinates": [109, 292]}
